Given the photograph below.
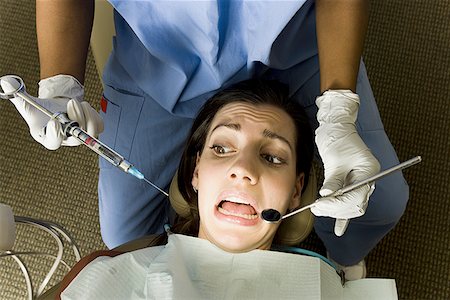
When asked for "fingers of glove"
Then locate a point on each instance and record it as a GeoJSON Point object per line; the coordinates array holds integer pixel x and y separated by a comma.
{"type": "Point", "coordinates": [52, 105]}
{"type": "Point", "coordinates": [340, 143]}
{"type": "Point", "coordinates": [340, 226]}
{"type": "Point", "coordinates": [71, 142]}
{"type": "Point", "coordinates": [350, 205]}
{"type": "Point", "coordinates": [327, 135]}
{"type": "Point", "coordinates": [328, 207]}
{"type": "Point", "coordinates": [343, 171]}
{"type": "Point", "coordinates": [48, 133]}
{"type": "Point", "coordinates": [75, 112]}
{"type": "Point", "coordinates": [94, 123]}
{"type": "Point", "coordinates": [334, 180]}
{"type": "Point", "coordinates": [36, 119]}
{"type": "Point", "coordinates": [51, 136]}
{"type": "Point", "coordinates": [342, 156]}
{"type": "Point", "coordinates": [364, 167]}
{"type": "Point", "coordinates": [31, 115]}
{"type": "Point", "coordinates": [86, 117]}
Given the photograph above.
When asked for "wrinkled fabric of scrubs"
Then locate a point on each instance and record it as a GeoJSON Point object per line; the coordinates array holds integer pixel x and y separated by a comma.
{"type": "Point", "coordinates": [169, 57]}
{"type": "Point", "coordinates": [193, 48]}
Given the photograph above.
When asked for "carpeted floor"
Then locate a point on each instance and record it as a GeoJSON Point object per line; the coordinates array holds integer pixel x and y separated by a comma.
{"type": "Point", "coordinates": [407, 55]}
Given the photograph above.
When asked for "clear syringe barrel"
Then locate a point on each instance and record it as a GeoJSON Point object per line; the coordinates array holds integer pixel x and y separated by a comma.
{"type": "Point", "coordinates": [98, 147]}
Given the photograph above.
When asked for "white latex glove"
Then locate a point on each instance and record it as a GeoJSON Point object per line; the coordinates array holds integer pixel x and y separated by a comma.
{"type": "Point", "coordinates": [60, 93]}
{"type": "Point", "coordinates": [345, 156]}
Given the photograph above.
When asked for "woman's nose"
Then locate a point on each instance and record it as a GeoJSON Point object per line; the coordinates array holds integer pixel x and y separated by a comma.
{"type": "Point", "coordinates": [244, 169]}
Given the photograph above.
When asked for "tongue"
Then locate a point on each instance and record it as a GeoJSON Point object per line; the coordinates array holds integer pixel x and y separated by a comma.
{"type": "Point", "coordinates": [242, 209]}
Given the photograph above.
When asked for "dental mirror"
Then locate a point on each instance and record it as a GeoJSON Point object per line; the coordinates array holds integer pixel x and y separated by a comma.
{"type": "Point", "coordinates": [273, 216]}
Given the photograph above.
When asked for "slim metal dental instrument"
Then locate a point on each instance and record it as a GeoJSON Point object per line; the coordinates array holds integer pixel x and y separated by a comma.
{"type": "Point", "coordinates": [71, 128]}
{"type": "Point", "coordinates": [274, 216]}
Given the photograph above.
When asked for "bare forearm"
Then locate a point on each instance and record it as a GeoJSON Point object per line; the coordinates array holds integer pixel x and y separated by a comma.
{"type": "Point", "coordinates": [63, 32]}
{"type": "Point", "coordinates": [341, 28]}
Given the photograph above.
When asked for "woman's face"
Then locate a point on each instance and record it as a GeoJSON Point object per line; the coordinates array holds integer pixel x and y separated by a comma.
{"type": "Point", "coordinates": [248, 164]}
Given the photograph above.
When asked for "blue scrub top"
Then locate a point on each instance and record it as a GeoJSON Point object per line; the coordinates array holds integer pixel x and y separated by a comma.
{"type": "Point", "coordinates": [178, 51]}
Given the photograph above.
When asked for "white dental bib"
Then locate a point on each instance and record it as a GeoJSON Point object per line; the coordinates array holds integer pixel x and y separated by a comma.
{"type": "Point", "coordinates": [192, 268]}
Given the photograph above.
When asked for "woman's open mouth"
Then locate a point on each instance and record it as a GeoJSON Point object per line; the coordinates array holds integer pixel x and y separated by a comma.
{"type": "Point", "coordinates": [235, 207]}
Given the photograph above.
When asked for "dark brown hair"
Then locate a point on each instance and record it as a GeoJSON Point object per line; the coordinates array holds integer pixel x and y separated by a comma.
{"type": "Point", "coordinates": [253, 91]}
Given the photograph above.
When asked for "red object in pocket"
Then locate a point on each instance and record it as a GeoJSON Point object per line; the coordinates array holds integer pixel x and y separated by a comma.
{"type": "Point", "coordinates": [103, 104]}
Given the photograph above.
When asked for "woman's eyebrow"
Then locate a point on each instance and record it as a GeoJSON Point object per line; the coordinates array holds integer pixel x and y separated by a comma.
{"type": "Point", "coordinates": [266, 133]}
{"type": "Point", "coordinates": [273, 135]}
{"type": "Point", "coordinates": [233, 126]}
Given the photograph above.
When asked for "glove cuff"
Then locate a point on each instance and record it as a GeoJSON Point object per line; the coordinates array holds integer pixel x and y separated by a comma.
{"type": "Point", "coordinates": [61, 86]}
{"type": "Point", "coordinates": [338, 97]}
{"type": "Point", "coordinates": [337, 106]}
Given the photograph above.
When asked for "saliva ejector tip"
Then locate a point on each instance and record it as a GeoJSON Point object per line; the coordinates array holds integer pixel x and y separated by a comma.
{"type": "Point", "coordinates": [133, 171]}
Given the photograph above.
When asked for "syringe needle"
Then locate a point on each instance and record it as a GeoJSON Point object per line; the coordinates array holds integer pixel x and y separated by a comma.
{"type": "Point", "coordinates": [156, 187]}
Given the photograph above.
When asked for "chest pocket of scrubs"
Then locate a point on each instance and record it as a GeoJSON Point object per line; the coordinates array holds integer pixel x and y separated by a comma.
{"type": "Point", "coordinates": [120, 115]}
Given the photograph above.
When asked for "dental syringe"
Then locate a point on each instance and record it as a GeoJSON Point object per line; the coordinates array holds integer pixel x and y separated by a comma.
{"type": "Point", "coordinates": [71, 128]}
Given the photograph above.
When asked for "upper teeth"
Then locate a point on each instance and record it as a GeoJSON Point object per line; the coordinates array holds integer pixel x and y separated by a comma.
{"type": "Point", "coordinates": [236, 200]}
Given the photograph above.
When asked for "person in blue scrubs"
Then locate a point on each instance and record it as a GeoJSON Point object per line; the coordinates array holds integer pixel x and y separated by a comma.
{"type": "Point", "coordinates": [169, 57]}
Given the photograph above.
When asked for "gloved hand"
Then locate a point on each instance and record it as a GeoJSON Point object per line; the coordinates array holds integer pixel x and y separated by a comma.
{"type": "Point", "coordinates": [60, 93]}
{"type": "Point", "coordinates": [345, 157]}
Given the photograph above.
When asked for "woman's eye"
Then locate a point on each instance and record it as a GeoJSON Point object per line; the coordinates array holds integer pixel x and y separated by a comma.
{"type": "Point", "coordinates": [218, 149]}
{"type": "Point", "coordinates": [273, 159]}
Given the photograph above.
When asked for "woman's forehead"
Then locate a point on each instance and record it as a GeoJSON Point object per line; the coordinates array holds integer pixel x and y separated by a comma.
{"type": "Point", "coordinates": [267, 115]}
{"type": "Point", "coordinates": [255, 112]}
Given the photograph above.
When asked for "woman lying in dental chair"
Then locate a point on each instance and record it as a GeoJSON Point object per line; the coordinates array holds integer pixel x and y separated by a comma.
{"type": "Point", "coordinates": [249, 149]}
